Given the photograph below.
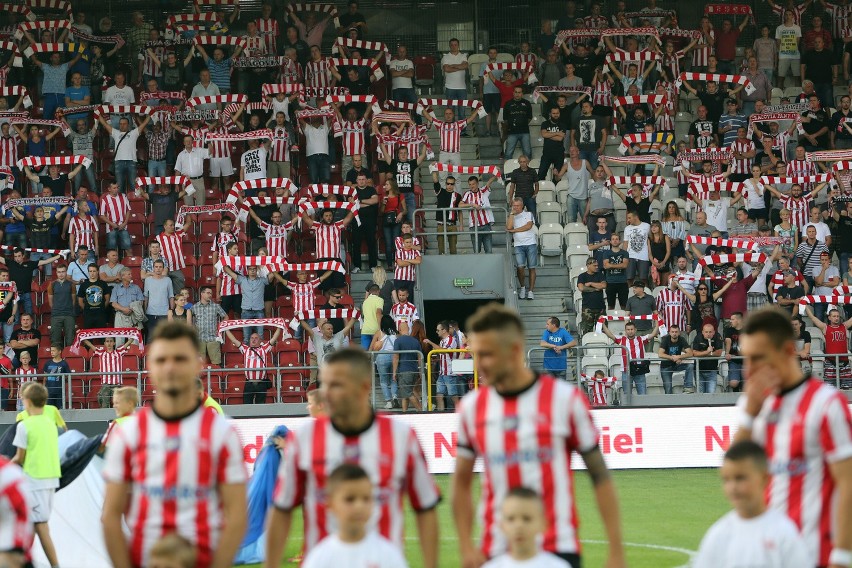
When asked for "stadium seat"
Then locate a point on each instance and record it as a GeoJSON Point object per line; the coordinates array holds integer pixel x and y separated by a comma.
{"type": "Point", "coordinates": [549, 212]}
{"type": "Point", "coordinates": [577, 255]}
{"type": "Point", "coordinates": [550, 240]}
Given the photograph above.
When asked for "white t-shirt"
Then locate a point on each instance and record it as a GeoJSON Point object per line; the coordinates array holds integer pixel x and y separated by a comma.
{"type": "Point", "coordinates": [788, 37]}
{"type": "Point", "coordinates": [401, 65]}
{"type": "Point", "coordinates": [316, 139]}
{"type": "Point", "coordinates": [526, 237]}
{"type": "Point", "coordinates": [127, 149]}
{"type": "Point", "coordinates": [454, 79]}
{"type": "Point", "coordinates": [831, 272]}
{"type": "Point", "coordinates": [821, 229]}
{"type": "Point", "coordinates": [767, 541]}
{"type": "Point", "coordinates": [717, 212]}
{"type": "Point", "coordinates": [754, 195]}
{"type": "Point", "coordinates": [122, 96]}
{"type": "Point", "coordinates": [253, 163]}
{"type": "Point", "coordinates": [636, 240]}
{"type": "Point", "coordinates": [540, 560]}
{"type": "Point", "coordinates": [372, 552]}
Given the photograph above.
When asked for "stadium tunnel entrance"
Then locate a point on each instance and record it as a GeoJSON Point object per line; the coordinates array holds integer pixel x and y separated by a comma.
{"type": "Point", "coordinates": [435, 311]}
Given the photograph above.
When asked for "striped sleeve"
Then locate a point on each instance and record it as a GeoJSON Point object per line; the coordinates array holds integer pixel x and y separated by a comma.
{"type": "Point", "coordinates": [422, 490]}
{"type": "Point", "coordinates": [836, 430]}
{"type": "Point", "coordinates": [231, 464]}
{"type": "Point", "coordinates": [464, 441]}
{"type": "Point", "coordinates": [117, 461]}
{"type": "Point", "coordinates": [16, 528]}
{"type": "Point", "coordinates": [583, 435]}
{"type": "Point", "coordinates": [290, 486]}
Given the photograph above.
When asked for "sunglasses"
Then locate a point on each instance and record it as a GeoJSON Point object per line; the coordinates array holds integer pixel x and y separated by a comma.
{"type": "Point", "coordinates": [451, 183]}
{"type": "Point", "coordinates": [338, 297]}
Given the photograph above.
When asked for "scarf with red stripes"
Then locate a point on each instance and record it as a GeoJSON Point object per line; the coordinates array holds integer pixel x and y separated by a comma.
{"type": "Point", "coordinates": [307, 113]}
{"type": "Point", "coordinates": [563, 90]}
{"type": "Point", "coordinates": [649, 317]}
{"type": "Point", "coordinates": [624, 56]}
{"type": "Point", "coordinates": [699, 155]}
{"type": "Point", "coordinates": [748, 257]}
{"type": "Point", "coordinates": [650, 139]}
{"type": "Point", "coordinates": [36, 121]}
{"type": "Point", "coordinates": [191, 19]}
{"type": "Point", "coordinates": [336, 313]}
{"type": "Point", "coordinates": [564, 35]}
{"type": "Point", "coordinates": [279, 323]}
{"type": "Point", "coordinates": [647, 182]}
{"type": "Point", "coordinates": [220, 40]}
{"type": "Point", "coordinates": [123, 109]}
{"type": "Point", "coordinates": [829, 155]}
{"type": "Point", "coordinates": [329, 9]}
{"type": "Point", "coordinates": [37, 201]}
{"type": "Point", "coordinates": [51, 5]}
{"type": "Point", "coordinates": [260, 134]}
{"type": "Point", "coordinates": [640, 159]}
{"type": "Point", "coordinates": [833, 300]}
{"type": "Point", "coordinates": [17, 91]}
{"type": "Point", "coordinates": [374, 65]}
{"type": "Point", "coordinates": [170, 95]}
{"type": "Point", "coordinates": [346, 99]}
{"type": "Point", "coordinates": [473, 104]}
{"type": "Point", "coordinates": [18, 9]}
{"type": "Point", "coordinates": [41, 25]}
{"type": "Point", "coordinates": [729, 10]}
{"type": "Point", "coordinates": [360, 44]}
{"type": "Point", "coordinates": [733, 243]}
{"type": "Point", "coordinates": [264, 183]}
{"type": "Point", "coordinates": [216, 99]}
{"type": "Point", "coordinates": [610, 32]}
{"type": "Point", "coordinates": [702, 190]}
{"type": "Point", "coordinates": [774, 117]}
{"type": "Point", "coordinates": [129, 333]}
{"type": "Point", "coordinates": [775, 180]}
{"type": "Point", "coordinates": [527, 67]}
{"type": "Point", "coordinates": [280, 264]}
{"type": "Point", "coordinates": [321, 92]}
{"type": "Point", "coordinates": [597, 387]}
{"type": "Point", "coordinates": [718, 77]}
{"type": "Point", "coordinates": [81, 35]}
{"type": "Point", "coordinates": [182, 181]}
{"type": "Point", "coordinates": [41, 161]}
{"type": "Point", "coordinates": [270, 89]}
{"type": "Point", "coordinates": [328, 189]}
{"type": "Point", "coordinates": [354, 208]}
{"type": "Point", "coordinates": [201, 209]}
{"type": "Point", "coordinates": [18, 61]}
{"type": "Point", "coordinates": [466, 170]}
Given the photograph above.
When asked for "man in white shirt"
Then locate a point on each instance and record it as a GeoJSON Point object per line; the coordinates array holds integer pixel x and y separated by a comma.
{"type": "Point", "coordinates": [402, 77]}
{"type": "Point", "coordinates": [253, 160]}
{"type": "Point", "coordinates": [316, 142]}
{"type": "Point", "coordinates": [717, 210]}
{"type": "Point", "coordinates": [454, 65]}
{"type": "Point", "coordinates": [190, 163]}
{"type": "Point", "coordinates": [823, 232]}
{"type": "Point", "coordinates": [636, 241]}
{"type": "Point", "coordinates": [520, 224]}
{"type": "Point", "coordinates": [125, 150]}
{"type": "Point", "coordinates": [119, 94]}
{"type": "Point", "coordinates": [205, 88]}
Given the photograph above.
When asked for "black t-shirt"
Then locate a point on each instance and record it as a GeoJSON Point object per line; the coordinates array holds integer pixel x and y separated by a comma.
{"type": "Point", "coordinates": [844, 234]}
{"type": "Point", "coordinates": [367, 212]}
{"type": "Point", "coordinates": [21, 335]}
{"type": "Point", "coordinates": [715, 103]}
{"type": "Point", "coordinates": [671, 348]}
{"type": "Point", "coordinates": [642, 208]}
{"type": "Point", "coordinates": [22, 274]}
{"type": "Point", "coordinates": [819, 119]}
{"type": "Point", "coordinates": [637, 125]}
{"type": "Point", "coordinates": [592, 299]}
{"type": "Point", "coordinates": [57, 186]}
{"type": "Point", "coordinates": [94, 294]}
{"type": "Point", "coordinates": [40, 231]}
{"type": "Point", "coordinates": [352, 175]}
{"type": "Point", "coordinates": [347, 20]}
{"type": "Point", "coordinates": [703, 131]}
{"type": "Point", "coordinates": [702, 344]}
{"type": "Point", "coordinates": [616, 275]}
{"type": "Point", "coordinates": [840, 132]}
{"type": "Point", "coordinates": [404, 172]}
{"type": "Point", "coordinates": [584, 67]}
{"type": "Point", "coordinates": [518, 115]}
{"type": "Point", "coordinates": [793, 293]}
{"type": "Point", "coordinates": [553, 147]}
{"type": "Point", "coordinates": [265, 213]}
{"type": "Point", "coordinates": [733, 334]}
{"type": "Point", "coordinates": [589, 132]}
{"type": "Point", "coordinates": [818, 65]}
{"type": "Point", "coordinates": [524, 181]}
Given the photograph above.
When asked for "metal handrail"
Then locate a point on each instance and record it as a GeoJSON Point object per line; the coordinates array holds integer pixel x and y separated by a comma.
{"type": "Point", "coordinates": [429, 370]}
{"type": "Point", "coordinates": [498, 227]}
{"type": "Point", "coordinates": [577, 352]}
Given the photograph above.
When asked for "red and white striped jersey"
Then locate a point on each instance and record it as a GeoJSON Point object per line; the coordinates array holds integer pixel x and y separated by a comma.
{"type": "Point", "coordinates": [522, 58]}
{"type": "Point", "coordinates": [804, 431]}
{"type": "Point", "coordinates": [84, 231]}
{"type": "Point", "coordinates": [703, 50]}
{"type": "Point", "coordinates": [276, 238]}
{"type": "Point", "coordinates": [527, 441]}
{"type": "Point", "coordinates": [26, 375]}
{"type": "Point", "coordinates": [111, 362]}
{"type": "Point", "coordinates": [290, 72]}
{"type": "Point", "coordinates": [778, 280]}
{"type": "Point", "coordinates": [328, 239]}
{"type": "Point", "coordinates": [450, 134]}
{"type": "Point", "coordinates": [318, 74]}
{"type": "Point", "coordinates": [175, 469]}
{"type": "Point", "coordinates": [673, 62]}
{"type": "Point", "coordinates": [172, 247]}
{"type": "Point", "coordinates": [354, 141]}
{"type": "Point", "coordinates": [303, 294]}
{"type": "Point", "coordinates": [409, 272]}
{"type": "Point", "coordinates": [671, 304]}
{"type": "Point", "coordinates": [602, 93]}
{"type": "Point", "coordinates": [16, 528]}
{"type": "Point", "coordinates": [415, 242]}
{"type": "Point", "coordinates": [114, 208]}
{"type": "Point", "coordinates": [797, 12]}
{"type": "Point", "coordinates": [4, 75]}
{"type": "Point", "coordinates": [223, 239]}
{"type": "Point", "coordinates": [255, 358]}
{"type": "Point", "coordinates": [445, 360]}
{"type": "Point", "coordinates": [198, 135]}
{"type": "Point", "coordinates": [220, 148]}
{"type": "Point", "coordinates": [268, 28]}
{"type": "Point", "coordinates": [742, 165]}
{"type": "Point", "coordinates": [840, 16]}
{"type": "Point", "coordinates": [280, 150]}
{"type": "Point", "coordinates": [388, 450]}
{"type": "Point", "coordinates": [596, 22]}
{"type": "Point", "coordinates": [479, 217]}
{"type": "Point", "coordinates": [779, 143]}
{"type": "Point", "coordinates": [410, 136]}
{"type": "Point", "coordinates": [404, 313]}
{"type": "Point", "coordinates": [227, 285]}
{"type": "Point", "coordinates": [665, 120]}
{"type": "Point", "coordinates": [802, 168]}
{"type": "Point", "coordinates": [149, 66]}
{"type": "Point", "coordinates": [635, 346]}
{"type": "Point", "coordinates": [9, 149]}
{"type": "Point", "coordinates": [255, 46]}
{"type": "Point", "coordinates": [799, 208]}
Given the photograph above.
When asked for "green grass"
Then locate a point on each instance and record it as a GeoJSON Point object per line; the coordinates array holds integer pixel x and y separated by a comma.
{"type": "Point", "coordinates": [665, 508]}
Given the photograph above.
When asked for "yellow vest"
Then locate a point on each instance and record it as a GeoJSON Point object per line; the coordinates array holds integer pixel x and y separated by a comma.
{"type": "Point", "coordinates": [209, 402]}
{"type": "Point", "coordinates": [42, 460]}
{"type": "Point", "coordinates": [50, 411]}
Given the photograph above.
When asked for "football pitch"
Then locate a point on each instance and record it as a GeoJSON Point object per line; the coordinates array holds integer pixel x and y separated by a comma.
{"type": "Point", "coordinates": [664, 515]}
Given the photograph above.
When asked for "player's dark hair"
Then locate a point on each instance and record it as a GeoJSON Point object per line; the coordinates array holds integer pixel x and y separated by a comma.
{"type": "Point", "coordinates": [495, 317]}
{"type": "Point", "coordinates": [356, 359]}
{"type": "Point", "coordinates": [346, 472]}
{"type": "Point", "coordinates": [771, 321]}
{"type": "Point", "coordinates": [554, 320]}
{"type": "Point", "coordinates": [174, 330]}
{"type": "Point", "coordinates": [524, 493]}
{"type": "Point", "coordinates": [747, 450]}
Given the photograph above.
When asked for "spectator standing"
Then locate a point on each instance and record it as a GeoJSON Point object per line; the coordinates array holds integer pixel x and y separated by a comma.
{"type": "Point", "coordinates": [726, 44]}
{"type": "Point", "coordinates": [316, 132]}
{"type": "Point", "coordinates": [489, 93]}
{"type": "Point", "coordinates": [327, 341]}
{"type": "Point", "coordinates": [454, 65]}
{"type": "Point", "coordinates": [93, 299]}
{"type": "Point", "coordinates": [251, 304]}
{"type": "Point", "coordinates": [407, 258]}
{"type": "Point", "coordinates": [599, 204]}
{"type": "Point", "coordinates": [402, 168]}
{"type": "Point", "coordinates": [110, 271]}
{"type": "Point", "coordinates": [641, 304]}
{"type": "Point", "coordinates": [372, 310]}
{"type": "Point", "coordinates": [517, 113]}
{"type": "Point", "coordinates": [406, 367]}
{"type": "Point", "coordinates": [190, 163]}
{"type": "Point", "coordinates": [521, 224]}
{"type": "Point", "coordinates": [115, 213]}
{"type": "Point", "coordinates": [111, 364]}
{"type": "Point", "coordinates": [591, 284]}
{"type": "Point", "coordinates": [707, 345]}
{"type": "Point", "coordinates": [25, 339]}
{"type": "Point", "coordinates": [450, 132]}
{"type": "Point", "coordinates": [171, 243]}
{"type": "Point", "coordinates": [125, 150]}
{"type": "Point", "coordinates": [206, 318]}
{"type": "Point", "coordinates": [255, 357]}
{"type": "Point", "coordinates": [126, 299]}
{"type": "Point", "coordinates": [523, 183]}
{"type": "Point", "coordinates": [556, 341]}
{"type": "Point", "coordinates": [21, 272]}
{"type": "Point", "coordinates": [481, 217]}
{"type": "Point", "coordinates": [159, 296]}
{"type": "Point", "coordinates": [788, 35]}
{"type": "Point", "coordinates": [766, 53]}
{"type": "Point", "coordinates": [402, 76]}
{"type": "Point", "coordinates": [328, 233]}
{"type": "Point", "coordinates": [447, 221]}
{"type": "Point", "coordinates": [82, 142]}
{"type": "Point", "coordinates": [60, 298]}
{"type": "Point", "coordinates": [732, 352]}
{"type": "Point", "coordinates": [634, 372]}
{"type": "Point", "coordinates": [368, 200]}
{"type": "Point", "coordinates": [636, 237]}
{"type": "Point", "coordinates": [54, 77]}
{"type": "Point", "coordinates": [826, 279]}
{"type": "Point", "coordinates": [808, 255]}
{"type": "Point", "coordinates": [57, 371]}
{"type": "Point", "coordinates": [841, 133]}
{"type": "Point", "coordinates": [615, 263]}
{"type": "Point", "coordinates": [734, 290]}
{"type": "Point", "coordinates": [817, 66]}
{"type": "Point", "coordinates": [674, 351]}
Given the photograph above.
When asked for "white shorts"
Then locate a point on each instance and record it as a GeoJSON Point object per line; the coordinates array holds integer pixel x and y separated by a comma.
{"type": "Point", "coordinates": [41, 503]}
{"type": "Point", "coordinates": [788, 66]}
{"type": "Point", "coordinates": [221, 167]}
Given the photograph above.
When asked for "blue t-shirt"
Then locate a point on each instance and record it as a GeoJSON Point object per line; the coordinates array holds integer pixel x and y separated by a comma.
{"type": "Point", "coordinates": [554, 361]}
{"type": "Point", "coordinates": [15, 227]}
{"type": "Point", "coordinates": [77, 94]}
{"type": "Point", "coordinates": [408, 362]}
{"type": "Point", "coordinates": [53, 369]}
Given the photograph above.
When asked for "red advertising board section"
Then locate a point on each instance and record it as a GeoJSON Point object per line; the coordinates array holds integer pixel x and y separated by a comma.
{"type": "Point", "coordinates": [640, 438]}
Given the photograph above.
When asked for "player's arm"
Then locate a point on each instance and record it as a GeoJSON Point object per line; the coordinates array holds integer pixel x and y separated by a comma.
{"type": "Point", "coordinates": [233, 498]}
{"type": "Point", "coordinates": [427, 529]}
{"type": "Point", "coordinates": [115, 503]}
{"type": "Point", "coordinates": [278, 527]}
{"type": "Point", "coordinates": [607, 500]}
{"type": "Point", "coordinates": [471, 556]}
{"type": "Point", "coordinates": [841, 472]}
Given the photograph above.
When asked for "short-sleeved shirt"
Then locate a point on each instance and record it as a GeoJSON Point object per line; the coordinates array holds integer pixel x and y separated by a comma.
{"type": "Point", "coordinates": [408, 362]}
{"type": "Point", "coordinates": [25, 335]}
{"type": "Point", "coordinates": [700, 343]}
{"type": "Point", "coordinates": [404, 174]}
{"type": "Point", "coordinates": [643, 306]}
{"type": "Point", "coordinates": [592, 299]}
{"type": "Point", "coordinates": [125, 144]}
{"type": "Point", "coordinates": [158, 291]}
{"type": "Point", "coordinates": [524, 181]}
{"type": "Point", "coordinates": [553, 361]}
{"type": "Point", "coordinates": [670, 347]}
{"type": "Point", "coordinates": [616, 275]}
{"type": "Point", "coordinates": [94, 294]}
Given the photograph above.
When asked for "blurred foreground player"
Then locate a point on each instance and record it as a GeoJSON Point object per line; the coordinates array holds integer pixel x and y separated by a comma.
{"type": "Point", "coordinates": [806, 429]}
{"type": "Point", "coordinates": [175, 466]}
{"type": "Point", "coordinates": [16, 526]}
{"type": "Point", "coordinates": [525, 426]}
{"type": "Point", "coordinates": [750, 535]}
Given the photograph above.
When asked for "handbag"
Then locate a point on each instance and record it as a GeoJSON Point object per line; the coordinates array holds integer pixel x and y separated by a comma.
{"type": "Point", "coordinates": [390, 218]}
{"type": "Point", "coordinates": [639, 368]}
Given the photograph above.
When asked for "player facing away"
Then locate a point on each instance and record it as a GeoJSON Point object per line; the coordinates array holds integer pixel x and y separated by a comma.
{"type": "Point", "coordinates": [805, 427]}
{"type": "Point", "coordinates": [525, 426]}
{"type": "Point", "coordinates": [750, 535]}
{"type": "Point", "coordinates": [350, 500]}
{"type": "Point", "coordinates": [522, 524]}
{"type": "Point", "coordinates": [175, 466]}
{"type": "Point", "coordinates": [16, 526]}
{"type": "Point", "coordinates": [350, 432]}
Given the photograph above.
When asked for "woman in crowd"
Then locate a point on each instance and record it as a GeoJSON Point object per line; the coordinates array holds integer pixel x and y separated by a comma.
{"type": "Point", "coordinates": [660, 252]}
{"type": "Point", "coordinates": [674, 227]}
{"type": "Point", "coordinates": [382, 344]}
{"type": "Point", "coordinates": [392, 211]}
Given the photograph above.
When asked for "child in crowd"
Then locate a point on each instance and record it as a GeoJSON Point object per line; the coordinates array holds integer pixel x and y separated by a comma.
{"type": "Point", "coordinates": [315, 406]}
{"type": "Point", "coordinates": [124, 402]}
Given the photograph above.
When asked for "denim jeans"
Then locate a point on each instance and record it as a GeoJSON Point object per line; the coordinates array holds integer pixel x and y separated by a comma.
{"type": "Point", "coordinates": [512, 141]}
{"type": "Point", "coordinates": [725, 67]}
{"type": "Point", "coordinates": [735, 373]}
{"type": "Point", "coordinates": [54, 391]}
{"type": "Point", "coordinates": [410, 205]}
{"type": "Point", "coordinates": [300, 331]}
{"type": "Point", "coordinates": [156, 168]}
{"type": "Point", "coordinates": [125, 175]}
{"type": "Point", "coordinates": [770, 75]}
{"type": "Point", "coordinates": [590, 156]}
{"type": "Point", "coordinates": [319, 168]}
{"type": "Point", "coordinates": [457, 94]}
{"type": "Point", "coordinates": [52, 101]}
{"type": "Point", "coordinates": [407, 96]}
{"type": "Point", "coordinates": [366, 340]}
{"type": "Point", "coordinates": [667, 372]}
{"type": "Point", "coordinates": [8, 328]}
{"type": "Point", "coordinates": [37, 256]}
{"type": "Point", "coordinates": [638, 380]}
{"type": "Point", "coordinates": [484, 239]}
{"type": "Point", "coordinates": [90, 179]}
{"type": "Point", "coordinates": [707, 381]}
{"type": "Point", "coordinates": [25, 304]}
{"type": "Point", "coordinates": [16, 239]}
{"type": "Point", "coordinates": [249, 329]}
{"type": "Point", "coordinates": [530, 205]}
{"type": "Point", "coordinates": [384, 363]}
{"type": "Point", "coordinates": [575, 209]}
{"type": "Point", "coordinates": [391, 233]}
{"type": "Point", "coordinates": [118, 239]}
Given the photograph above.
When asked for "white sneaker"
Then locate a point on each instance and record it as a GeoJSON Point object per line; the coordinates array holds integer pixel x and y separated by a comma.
{"type": "Point", "coordinates": [355, 270]}
{"type": "Point", "coordinates": [522, 293]}
{"type": "Point", "coordinates": [389, 405]}
{"type": "Point", "coordinates": [530, 295]}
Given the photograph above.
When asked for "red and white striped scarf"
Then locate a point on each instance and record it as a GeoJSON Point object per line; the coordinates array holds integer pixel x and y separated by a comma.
{"type": "Point", "coordinates": [338, 313]}
{"type": "Point", "coordinates": [640, 159]}
{"type": "Point", "coordinates": [329, 9]}
{"type": "Point", "coordinates": [220, 40]}
{"type": "Point", "coordinates": [307, 113]}
{"type": "Point", "coordinates": [271, 89]}
{"type": "Point", "coordinates": [647, 182]}
{"type": "Point", "coordinates": [610, 32]}
{"type": "Point", "coordinates": [200, 209]}
{"type": "Point", "coordinates": [123, 109]}
{"type": "Point", "coordinates": [216, 2]}
{"type": "Point", "coordinates": [649, 317]}
{"type": "Point", "coordinates": [645, 14]}
{"type": "Point", "coordinates": [527, 67]}
{"type": "Point", "coordinates": [747, 244]}
{"type": "Point", "coordinates": [36, 121]}
{"type": "Point", "coordinates": [354, 208]}
{"type": "Point", "coordinates": [17, 91]}
{"type": "Point", "coordinates": [386, 116]}
{"type": "Point", "coordinates": [564, 35]}
{"type": "Point", "coordinates": [842, 291]}
{"type": "Point", "coordinates": [264, 183]}
{"type": "Point", "coordinates": [597, 388]}
{"type": "Point", "coordinates": [647, 138]}
{"type": "Point", "coordinates": [328, 189]}
{"type": "Point", "coordinates": [749, 257]}
{"type": "Point", "coordinates": [829, 156]}
{"type": "Point", "coordinates": [656, 100]}
{"type": "Point", "coordinates": [41, 25]}
{"type": "Point", "coordinates": [18, 9]}
{"type": "Point", "coordinates": [63, 252]}
{"type": "Point", "coordinates": [37, 201]}
{"type": "Point", "coordinates": [14, 114]}
{"type": "Point", "coordinates": [9, 178]}
{"type": "Point", "coordinates": [718, 77]}
{"type": "Point", "coordinates": [346, 99]}
{"type": "Point", "coordinates": [191, 20]}
{"type": "Point", "coordinates": [699, 155]}
{"type": "Point", "coordinates": [466, 170]}
{"type": "Point", "coordinates": [182, 181]}
{"type": "Point", "coordinates": [280, 264]}
{"type": "Point", "coordinates": [40, 161]}
{"type": "Point", "coordinates": [469, 103]}
{"type": "Point", "coordinates": [623, 56]}
{"type": "Point", "coordinates": [677, 32]}
{"type": "Point", "coordinates": [403, 105]}
{"type": "Point", "coordinates": [129, 333]}
{"type": "Point", "coordinates": [52, 5]}
{"type": "Point", "coordinates": [250, 202]}
{"type": "Point", "coordinates": [775, 117]}
{"type": "Point", "coordinates": [729, 10]}
{"type": "Point", "coordinates": [279, 323]}
{"type": "Point", "coordinates": [321, 92]}
{"type": "Point", "coordinates": [46, 47]}
{"type": "Point", "coordinates": [833, 300]}
{"type": "Point", "coordinates": [360, 44]}
{"type": "Point", "coordinates": [10, 287]}
{"type": "Point", "coordinates": [374, 65]}
{"type": "Point", "coordinates": [769, 241]}
{"type": "Point", "coordinates": [75, 110]}
{"type": "Point", "coordinates": [775, 180]}
{"type": "Point", "coordinates": [80, 35]}
{"type": "Point", "coordinates": [18, 61]}
{"type": "Point", "coordinates": [216, 99]}
{"type": "Point", "coordinates": [260, 134]}
{"type": "Point", "coordinates": [702, 190]}
{"type": "Point", "coordinates": [170, 95]}
{"type": "Point", "coordinates": [566, 90]}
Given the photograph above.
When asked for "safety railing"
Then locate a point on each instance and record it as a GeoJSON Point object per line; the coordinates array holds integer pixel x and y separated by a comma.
{"type": "Point", "coordinates": [386, 381]}
{"type": "Point", "coordinates": [830, 367]}
{"type": "Point", "coordinates": [575, 359]}
{"type": "Point", "coordinates": [461, 226]}
{"type": "Point", "coordinates": [460, 369]}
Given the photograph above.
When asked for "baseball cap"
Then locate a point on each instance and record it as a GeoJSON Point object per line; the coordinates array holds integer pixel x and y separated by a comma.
{"type": "Point", "coordinates": [638, 284]}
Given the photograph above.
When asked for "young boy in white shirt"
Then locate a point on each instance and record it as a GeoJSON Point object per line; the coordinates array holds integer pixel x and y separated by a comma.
{"type": "Point", "coordinates": [350, 501]}
{"type": "Point", "coordinates": [522, 522]}
{"type": "Point", "coordinates": [750, 535]}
